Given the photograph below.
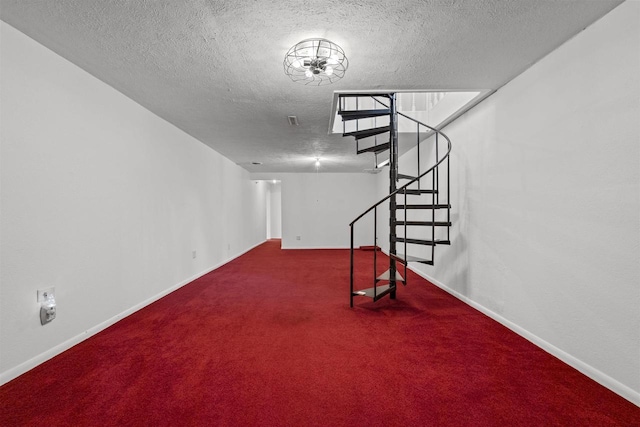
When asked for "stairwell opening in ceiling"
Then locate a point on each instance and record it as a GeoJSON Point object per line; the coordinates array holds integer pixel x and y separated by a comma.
{"type": "Point", "coordinates": [435, 108]}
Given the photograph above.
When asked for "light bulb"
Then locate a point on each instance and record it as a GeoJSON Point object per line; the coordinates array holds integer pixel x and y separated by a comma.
{"type": "Point", "coordinates": [333, 59]}
{"type": "Point", "coordinates": [274, 181]}
{"type": "Point", "coordinates": [308, 73]}
{"type": "Point", "coordinates": [317, 162]}
{"type": "Point", "coordinates": [328, 71]}
{"type": "Point", "coordinates": [297, 63]}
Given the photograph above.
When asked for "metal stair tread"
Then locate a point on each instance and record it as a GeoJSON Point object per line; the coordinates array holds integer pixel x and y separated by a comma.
{"type": "Point", "coordinates": [387, 276]}
{"type": "Point", "coordinates": [365, 133]}
{"type": "Point", "coordinates": [424, 223]}
{"type": "Point", "coordinates": [419, 192]}
{"type": "Point", "coordinates": [376, 293]}
{"type": "Point", "coordinates": [409, 258]}
{"type": "Point", "coordinates": [421, 241]}
{"type": "Point", "coordinates": [375, 148]}
{"type": "Point", "coordinates": [363, 114]}
{"type": "Point", "coordinates": [403, 176]}
{"type": "Point", "coordinates": [424, 206]}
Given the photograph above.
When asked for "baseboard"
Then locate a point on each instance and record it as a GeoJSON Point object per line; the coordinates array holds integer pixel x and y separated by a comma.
{"type": "Point", "coordinates": [16, 371]}
{"type": "Point", "coordinates": [588, 370]}
{"type": "Point", "coordinates": [314, 247]}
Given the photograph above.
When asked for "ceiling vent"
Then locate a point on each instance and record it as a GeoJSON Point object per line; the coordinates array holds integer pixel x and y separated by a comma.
{"type": "Point", "coordinates": [293, 120]}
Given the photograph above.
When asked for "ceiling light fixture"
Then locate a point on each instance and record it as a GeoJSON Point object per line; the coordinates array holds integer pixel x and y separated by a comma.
{"type": "Point", "coordinates": [316, 62]}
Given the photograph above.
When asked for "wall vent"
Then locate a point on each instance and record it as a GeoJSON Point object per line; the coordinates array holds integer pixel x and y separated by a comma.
{"type": "Point", "coordinates": [293, 120]}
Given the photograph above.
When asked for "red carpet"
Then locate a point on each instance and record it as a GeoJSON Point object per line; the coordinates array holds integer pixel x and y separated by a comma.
{"type": "Point", "coordinates": [269, 340]}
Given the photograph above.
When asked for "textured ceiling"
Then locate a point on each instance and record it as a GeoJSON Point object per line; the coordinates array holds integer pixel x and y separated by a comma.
{"type": "Point", "coordinates": [214, 68]}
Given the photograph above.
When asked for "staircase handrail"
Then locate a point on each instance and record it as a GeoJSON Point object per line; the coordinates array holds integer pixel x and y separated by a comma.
{"type": "Point", "coordinates": [399, 190]}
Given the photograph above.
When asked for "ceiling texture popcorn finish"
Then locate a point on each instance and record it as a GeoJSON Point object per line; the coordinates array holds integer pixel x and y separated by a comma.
{"type": "Point", "coordinates": [214, 68]}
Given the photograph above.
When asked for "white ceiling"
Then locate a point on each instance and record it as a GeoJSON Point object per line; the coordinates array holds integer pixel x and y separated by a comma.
{"type": "Point", "coordinates": [214, 68]}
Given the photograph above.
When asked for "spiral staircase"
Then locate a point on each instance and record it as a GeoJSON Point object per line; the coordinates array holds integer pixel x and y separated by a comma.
{"type": "Point", "coordinates": [418, 203]}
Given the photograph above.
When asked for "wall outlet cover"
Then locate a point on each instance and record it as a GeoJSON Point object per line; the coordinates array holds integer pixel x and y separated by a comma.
{"type": "Point", "coordinates": [47, 314]}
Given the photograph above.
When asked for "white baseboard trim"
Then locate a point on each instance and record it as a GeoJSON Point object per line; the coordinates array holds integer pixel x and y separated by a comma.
{"type": "Point", "coordinates": [314, 247]}
{"type": "Point", "coordinates": [588, 370]}
{"type": "Point", "coordinates": [16, 371]}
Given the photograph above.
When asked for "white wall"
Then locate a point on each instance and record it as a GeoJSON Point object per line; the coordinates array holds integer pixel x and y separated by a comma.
{"type": "Point", "coordinates": [103, 200]}
{"type": "Point", "coordinates": [275, 211]}
{"type": "Point", "coordinates": [318, 207]}
{"type": "Point", "coordinates": [546, 190]}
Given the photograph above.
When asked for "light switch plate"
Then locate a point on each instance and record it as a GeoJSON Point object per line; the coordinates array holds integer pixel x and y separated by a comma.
{"type": "Point", "coordinates": [43, 294]}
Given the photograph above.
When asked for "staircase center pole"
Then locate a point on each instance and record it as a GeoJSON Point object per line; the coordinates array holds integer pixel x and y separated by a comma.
{"type": "Point", "coordinates": [393, 178]}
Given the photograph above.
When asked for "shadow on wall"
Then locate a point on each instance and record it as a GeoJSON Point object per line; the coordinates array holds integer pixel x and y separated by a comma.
{"type": "Point", "coordinates": [452, 263]}
{"type": "Point", "coordinates": [454, 271]}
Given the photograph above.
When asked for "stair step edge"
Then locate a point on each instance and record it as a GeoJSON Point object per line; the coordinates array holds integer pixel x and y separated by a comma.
{"type": "Point", "coordinates": [420, 192]}
{"type": "Point", "coordinates": [422, 241]}
{"type": "Point", "coordinates": [380, 291]}
{"type": "Point", "coordinates": [424, 223]}
{"type": "Point", "coordinates": [423, 206]}
{"type": "Point", "coordinates": [401, 258]}
{"type": "Point", "coordinates": [363, 114]}
{"type": "Point", "coordinates": [403, 176]}
{"type": "Point", "coordinates": [387, 276]}
{"type": "Point", "coordinates": [375, 148]}
{"type": "Point", "coordinates": [365, 133]}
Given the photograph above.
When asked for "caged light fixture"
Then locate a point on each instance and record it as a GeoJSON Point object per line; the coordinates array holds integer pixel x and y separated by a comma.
{"type": "Point", "coordinates": [315, 62]}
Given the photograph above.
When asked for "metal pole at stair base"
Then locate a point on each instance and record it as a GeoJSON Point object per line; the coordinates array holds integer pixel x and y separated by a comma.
{"type": "Point", "coordinates": [406, 252]}
{"type": "Point", "coordinates": [418, 147]}
{"type": "Point", "coordinates": [375, 249]}
{"type": "Point", "coordinates": [351, 272]}
{"type": "Point", "coordinates": [393, 177]}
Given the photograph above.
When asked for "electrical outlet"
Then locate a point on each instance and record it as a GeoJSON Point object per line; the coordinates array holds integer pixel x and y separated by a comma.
{"type": "Point", "coordinates": [47, 313]}
{"type": "Point", "coordinates": [47, 300]}
{"type": "Point", "coordinates": [45, 294]}
{"type": "Point", "coordinates": [193, 254]}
